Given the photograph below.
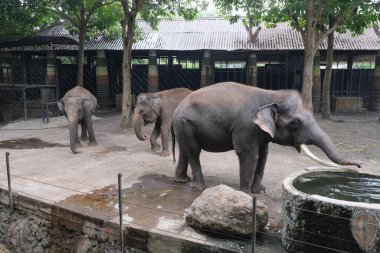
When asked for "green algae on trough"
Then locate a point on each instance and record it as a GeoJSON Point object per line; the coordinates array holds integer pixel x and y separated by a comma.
{"type": "Point", "coordinates": [348, 186]}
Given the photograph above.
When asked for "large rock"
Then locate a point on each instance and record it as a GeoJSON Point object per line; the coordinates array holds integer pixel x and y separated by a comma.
{"type": "Point", "coordinates": [224, 210]}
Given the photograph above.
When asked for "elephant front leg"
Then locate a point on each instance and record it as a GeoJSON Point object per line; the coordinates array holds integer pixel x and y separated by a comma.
{"type": "Point", "coordinates": [257, 187]}
{"type": "Point", "coordinates": [90, 129]}
{"type": "Point", "coordinates": [155, 147]}
{"type": "Point", "coordinates": [247, 161]}
{"type": "Point", "coordinates": [83, 135]}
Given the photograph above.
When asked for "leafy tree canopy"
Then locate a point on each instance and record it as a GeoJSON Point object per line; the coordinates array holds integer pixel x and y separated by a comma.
{"type": "Point", "coordinates": [19, 19]}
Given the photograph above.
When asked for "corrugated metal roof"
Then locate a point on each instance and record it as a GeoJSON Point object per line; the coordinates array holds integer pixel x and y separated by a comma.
{"type": "Point", "coordinates": [219, 34]}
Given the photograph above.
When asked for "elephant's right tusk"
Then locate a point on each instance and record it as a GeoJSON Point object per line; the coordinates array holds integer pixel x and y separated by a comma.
{"type": "Point", "coordinates": [307, 151]}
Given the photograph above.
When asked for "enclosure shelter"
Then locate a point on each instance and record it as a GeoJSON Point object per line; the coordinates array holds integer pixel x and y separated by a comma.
{"type": "Point", "coordinates": [28, 79]}
{"type": "Point", "coordinates": [202, 52]}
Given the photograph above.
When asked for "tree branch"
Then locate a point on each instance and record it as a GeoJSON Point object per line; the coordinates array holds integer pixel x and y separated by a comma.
{"type": "Point", "coordinates": [339, 21]}
{"type": "Point", "coordinates": [63, 15]}
{"type": "Point", "coordinates": [376, 29]}
{"type": "Point", "coordinates": [298, 25]}
{"type": "Point", "coordinates": [318, 16]}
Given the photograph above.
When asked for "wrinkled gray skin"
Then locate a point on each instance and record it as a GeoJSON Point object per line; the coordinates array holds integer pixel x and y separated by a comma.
{"type": "Point", "coordinates": [158, 108]}
{"type": "Point", "coordinates": [78, 104]}
{"type": "Point", "coordinates": [229, 116]}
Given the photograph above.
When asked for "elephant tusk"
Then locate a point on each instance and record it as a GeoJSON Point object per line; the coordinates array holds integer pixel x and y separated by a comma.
{"type": "Point", "coordinates": [316, 159]}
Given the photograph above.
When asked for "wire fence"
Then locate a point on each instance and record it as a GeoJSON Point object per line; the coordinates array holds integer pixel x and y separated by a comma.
{"type": "Point", "coordinates": [307, 238]}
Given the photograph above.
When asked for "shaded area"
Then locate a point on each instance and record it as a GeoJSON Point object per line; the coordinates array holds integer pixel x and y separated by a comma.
{"type": "Point", "coordinates": [356, 187]}
{"type": "Point", "coordinates": [29, 143]}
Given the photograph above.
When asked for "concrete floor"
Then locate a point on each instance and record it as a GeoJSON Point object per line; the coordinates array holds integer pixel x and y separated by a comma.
{"type": "Point", "coordinates": [44, 168]}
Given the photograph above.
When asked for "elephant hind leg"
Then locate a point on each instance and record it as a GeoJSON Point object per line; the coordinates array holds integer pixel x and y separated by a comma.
{"type": "Point", "coordinates": [198, 180]}
{"type": "Point", "coordinates": [181, 169]}
{"type": "Point", "coordinates": [155, 147]}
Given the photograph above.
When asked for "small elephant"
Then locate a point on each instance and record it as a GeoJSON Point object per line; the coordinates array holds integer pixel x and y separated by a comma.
{"type": "Point", "coordinates": [78, 104]}
{"type": "Point", "coordinates": [157, 107]}
{"type": "Point", "coordinates": [231, 116]}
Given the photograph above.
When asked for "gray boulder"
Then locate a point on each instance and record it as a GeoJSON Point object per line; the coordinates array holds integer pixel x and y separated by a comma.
{"type": "Point", "coordinates": [224, 210]}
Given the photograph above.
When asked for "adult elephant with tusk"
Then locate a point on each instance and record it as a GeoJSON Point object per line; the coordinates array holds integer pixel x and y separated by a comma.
{"type": "Point", "coordinates": [158, 108]}
{"type": "Point", "coordinates": [227, 116]}
{"type": "Point", "coordinates": [78, 104]}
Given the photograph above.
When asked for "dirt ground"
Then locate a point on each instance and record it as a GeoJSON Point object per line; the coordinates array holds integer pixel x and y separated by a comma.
{"type": "Point", "coordinates": [356, 135]}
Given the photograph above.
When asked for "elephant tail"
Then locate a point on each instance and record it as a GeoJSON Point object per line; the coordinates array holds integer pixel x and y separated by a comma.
{"type": "Point", "coordinates": [173, 143]}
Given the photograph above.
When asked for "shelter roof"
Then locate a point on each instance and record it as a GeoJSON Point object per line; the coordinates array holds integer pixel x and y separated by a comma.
{"type": "Point", "coordinates": [217, 34]}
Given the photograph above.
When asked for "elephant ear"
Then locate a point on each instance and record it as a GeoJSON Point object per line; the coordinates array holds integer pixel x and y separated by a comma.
{"type": "Point", "coordinates": [155, 104]}
{"type": "Point", "coordinates": [266, 118]}
{"type": "Point", "coordinates": [61, 106]}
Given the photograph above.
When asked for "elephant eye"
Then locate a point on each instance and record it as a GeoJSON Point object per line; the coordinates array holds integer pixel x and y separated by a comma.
{"type": "Point", "coordinates": [295, 123]}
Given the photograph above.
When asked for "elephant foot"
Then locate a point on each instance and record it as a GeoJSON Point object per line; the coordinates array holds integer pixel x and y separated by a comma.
{"type": "Point", "coordinates": [84, 138]}
{"type": "Point", "coordinates": [259, 188]}
{"type": "Point", "coordinates": [164, 153]}
{"type": "Point", "coordinates": [199, 186]}
{"type": "Point", "coordinates": [181, 179]}
{"type": "Point", "coordinates": [155, 147]}
{"type": "Point", "coordinates": [76, 147]}
{"type": "Point", "coordinates": [92, 143]}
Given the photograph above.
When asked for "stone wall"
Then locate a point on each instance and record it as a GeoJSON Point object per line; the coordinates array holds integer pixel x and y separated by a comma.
{"type": "Point", "coordinates": [41, 229]}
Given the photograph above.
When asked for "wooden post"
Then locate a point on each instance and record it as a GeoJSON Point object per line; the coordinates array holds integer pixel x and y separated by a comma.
{"type": "Point", "coordinates": [252, 70]}
{"type": "Point", "coordinates": [375, 94]}
{"type": "Point", "coordinates": [153, 78]}
{"type": "Point", "coordinates": [102, 80]}
{"type": "Point", "coordinates": [206, 72]}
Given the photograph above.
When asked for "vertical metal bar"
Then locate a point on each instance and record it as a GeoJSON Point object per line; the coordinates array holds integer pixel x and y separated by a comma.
{"type": "Point", "coordinates": [120, 213]}
{"type": "Point", "coordinates": [253, 239]}
{"type": "Point", "coordinates": [24, 103]}
{"type": "Point", "coordinates": [9, 181]}
{"type": "Point", "coordinates": [360, 74]}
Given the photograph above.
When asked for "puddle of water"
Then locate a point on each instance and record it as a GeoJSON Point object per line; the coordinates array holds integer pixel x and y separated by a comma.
{"type": "Point", "coordinates": [153, 198]}
{"type": "Point", "coordinates": [354, 187]}
{"type": "Point", "coordinates": [29, 143]}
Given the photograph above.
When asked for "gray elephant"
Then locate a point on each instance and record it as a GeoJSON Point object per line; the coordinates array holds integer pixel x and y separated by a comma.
{"type": "Point", "coordinates": [158, 108]}
{"type": "Point", "coordinates": [78, 104]}
{"type": "Point", "coordinates": [229, 116]}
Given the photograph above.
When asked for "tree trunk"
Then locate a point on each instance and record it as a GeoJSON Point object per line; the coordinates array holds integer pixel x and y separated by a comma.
{"type": "Point", "coordinates": [309, 42]}
{"type": "Point", "coordinates": [327, 78]}
{"type": "Point", "coordinates": [82, 33]}
{"type": "Point", "coordinates": [81, 57]}
{"type": "Point", "coordinates": [129, 25]}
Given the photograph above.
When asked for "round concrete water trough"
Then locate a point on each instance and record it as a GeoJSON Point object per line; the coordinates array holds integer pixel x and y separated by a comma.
{"type": "Point", "coordinates": [342, 223]}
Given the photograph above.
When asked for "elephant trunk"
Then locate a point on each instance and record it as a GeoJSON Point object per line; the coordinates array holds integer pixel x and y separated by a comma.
{"type": "Point", "coordinates": [324, 142]}
{"type": "Point", "coordinates": [73, 129]}
{"type": "Point", "coordinates": [137, 125]}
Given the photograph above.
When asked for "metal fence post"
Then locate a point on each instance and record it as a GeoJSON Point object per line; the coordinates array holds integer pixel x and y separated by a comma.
{"type": "Point", "coordinates": [120, 213]}
{"type": "Point", "coordinates": [9, 181]}
{"type": "Point", "coordinates": [253, 239]}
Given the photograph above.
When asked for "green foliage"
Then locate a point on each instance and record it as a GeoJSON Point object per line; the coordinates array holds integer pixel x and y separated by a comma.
{"type": "Point", "coordinates": [20, 19]}
{"type": "Point", "coordinates": [154, 10]}
{"type": "Point", "coordinates": [252, 12]}
{"type": "Point", "coordinates": [94, 16]}
{"type": "Point", "coordinates": [365, 13]}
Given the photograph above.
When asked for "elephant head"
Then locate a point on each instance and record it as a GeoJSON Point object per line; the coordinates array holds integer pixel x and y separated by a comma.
{"type": "Point", "coordinates": [289, 123]}
{"type": "Point", "coordinates": [73, 108]}
{"type": "Point", "coordinates": [147, 110]}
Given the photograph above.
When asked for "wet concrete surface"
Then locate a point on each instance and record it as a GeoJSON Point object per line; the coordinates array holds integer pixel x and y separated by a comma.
{"type": "Point", "coordinates": [155, 192]}
{"type": "Point", "coordinates": [28, 143]}
{"type": "Point", "coordinates": [44, 168]}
